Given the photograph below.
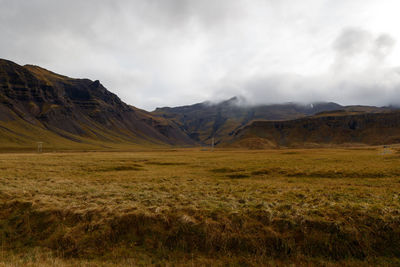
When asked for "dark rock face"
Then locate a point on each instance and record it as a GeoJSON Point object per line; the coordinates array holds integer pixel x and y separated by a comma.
{"type": "Point", "coordinates": [78, 106]}
{"type": "Point", "coordinates": [368, 128]}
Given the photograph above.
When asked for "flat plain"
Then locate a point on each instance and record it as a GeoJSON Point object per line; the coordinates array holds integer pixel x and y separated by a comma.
{"type": "Point", "coordinates": [191, 207]}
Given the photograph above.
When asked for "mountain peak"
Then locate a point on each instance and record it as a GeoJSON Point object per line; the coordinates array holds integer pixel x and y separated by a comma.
{"type": "Point", "coordinates": [234, 101]}
{"type": "Point", "coordinates": [80, 110]}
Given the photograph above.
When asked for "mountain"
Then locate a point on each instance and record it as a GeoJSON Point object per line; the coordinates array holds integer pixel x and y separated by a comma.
{"type": "Point", "coordinates": [326, 129]}
{"type": "Point", "coordinates": [204, 120]}
{"type": "Point", "coordinates": [37, 105]}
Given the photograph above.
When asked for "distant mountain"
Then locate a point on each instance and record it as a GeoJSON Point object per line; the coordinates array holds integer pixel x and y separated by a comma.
{"type": "Point", "coordinates": [204, 120]}
{"type": "Point", "coordinates": [39, 105]}
{"type": "Point", "coordinates": [327, 129]}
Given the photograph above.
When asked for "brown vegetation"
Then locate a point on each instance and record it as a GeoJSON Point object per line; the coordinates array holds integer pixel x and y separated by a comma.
{"type": "Point", "coordinates": [191, 207]}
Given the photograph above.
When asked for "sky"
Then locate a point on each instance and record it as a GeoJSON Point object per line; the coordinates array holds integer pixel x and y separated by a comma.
{"type": "Point", "coordinates": [156, 53]}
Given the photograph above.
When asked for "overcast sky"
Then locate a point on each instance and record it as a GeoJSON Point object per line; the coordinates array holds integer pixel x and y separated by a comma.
{"type": "Point", "coordinates": [156, 53]}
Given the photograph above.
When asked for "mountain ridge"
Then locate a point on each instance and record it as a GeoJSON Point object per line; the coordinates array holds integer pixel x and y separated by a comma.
{"type": "Point", "coordinates": [331, 129]}
{"type": "Point", "coordinates": [80, 110]}
{"type": "Point", "coordinates": [203, 121]}
{"type": "Point", "coordinates": [38, 105]}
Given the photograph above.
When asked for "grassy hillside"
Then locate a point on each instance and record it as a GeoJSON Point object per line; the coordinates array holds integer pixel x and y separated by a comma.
{"type": "Point", "coordinates": [17, 134]}
{"type": "Point", "coordinates": [326, 129]}
{"type": "Point", "coordinates": [191, 207]}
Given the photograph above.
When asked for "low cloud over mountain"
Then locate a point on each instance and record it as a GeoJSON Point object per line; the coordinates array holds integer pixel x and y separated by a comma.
{"type": "Point", "coordinates": [173, 52]}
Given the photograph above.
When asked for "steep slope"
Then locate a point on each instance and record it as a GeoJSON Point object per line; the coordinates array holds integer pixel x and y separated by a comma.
{"type": "Point", "coordinates": [204, 120]}
{"type": "Point", "coordinates": [335, 129]}
{"type": "Point", "coordinates": [39, 105]}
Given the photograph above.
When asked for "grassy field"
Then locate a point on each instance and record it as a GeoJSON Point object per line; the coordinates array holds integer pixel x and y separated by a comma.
{"type": "Point", "coordinates": [321, 207]}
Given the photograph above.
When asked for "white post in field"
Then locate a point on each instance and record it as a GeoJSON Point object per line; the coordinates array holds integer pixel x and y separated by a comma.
{"type": "Point", "coordinates": [39, 147]}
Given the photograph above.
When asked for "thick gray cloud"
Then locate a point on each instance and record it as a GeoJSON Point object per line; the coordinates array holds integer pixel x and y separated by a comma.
{"type": "Point", "coordinates": [358, 75]}
{"type": "Point", "coordinates": [174, 52]}
{"type": "Point", "coordinates": [355, 44]}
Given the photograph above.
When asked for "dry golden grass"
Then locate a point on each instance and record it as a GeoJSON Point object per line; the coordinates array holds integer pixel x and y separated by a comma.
{"type": "Point", "coordinates": [190, 207]}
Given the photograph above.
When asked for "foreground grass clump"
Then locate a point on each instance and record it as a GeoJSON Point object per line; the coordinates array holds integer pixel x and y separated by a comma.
{"type": "Point", "coordinates": [328, 207]}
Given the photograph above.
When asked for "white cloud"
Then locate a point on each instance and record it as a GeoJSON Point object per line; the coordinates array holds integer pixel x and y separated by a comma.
{"type": "Point", "coordinates": [174, 52]}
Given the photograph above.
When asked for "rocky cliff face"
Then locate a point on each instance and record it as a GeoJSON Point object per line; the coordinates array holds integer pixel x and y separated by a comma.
{"type": "Point", "coordinates": [367, 128]}
{"type": "Point", "coordinates": [74, 108]}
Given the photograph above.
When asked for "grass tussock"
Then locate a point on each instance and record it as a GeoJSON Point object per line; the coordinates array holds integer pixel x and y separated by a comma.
{"type": "Point", "coordinates": [226, 170]}
{"type": "Point", "coordinates": [322, 173]}
{"type": "Point", "coordinates": [166, 163]}
{"type": "Point", "coordinates": [133, 167]}
{"type": "Point", "coordinates": [109, 209]}
{"type": "Point", "coordinates": [238, 175]}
